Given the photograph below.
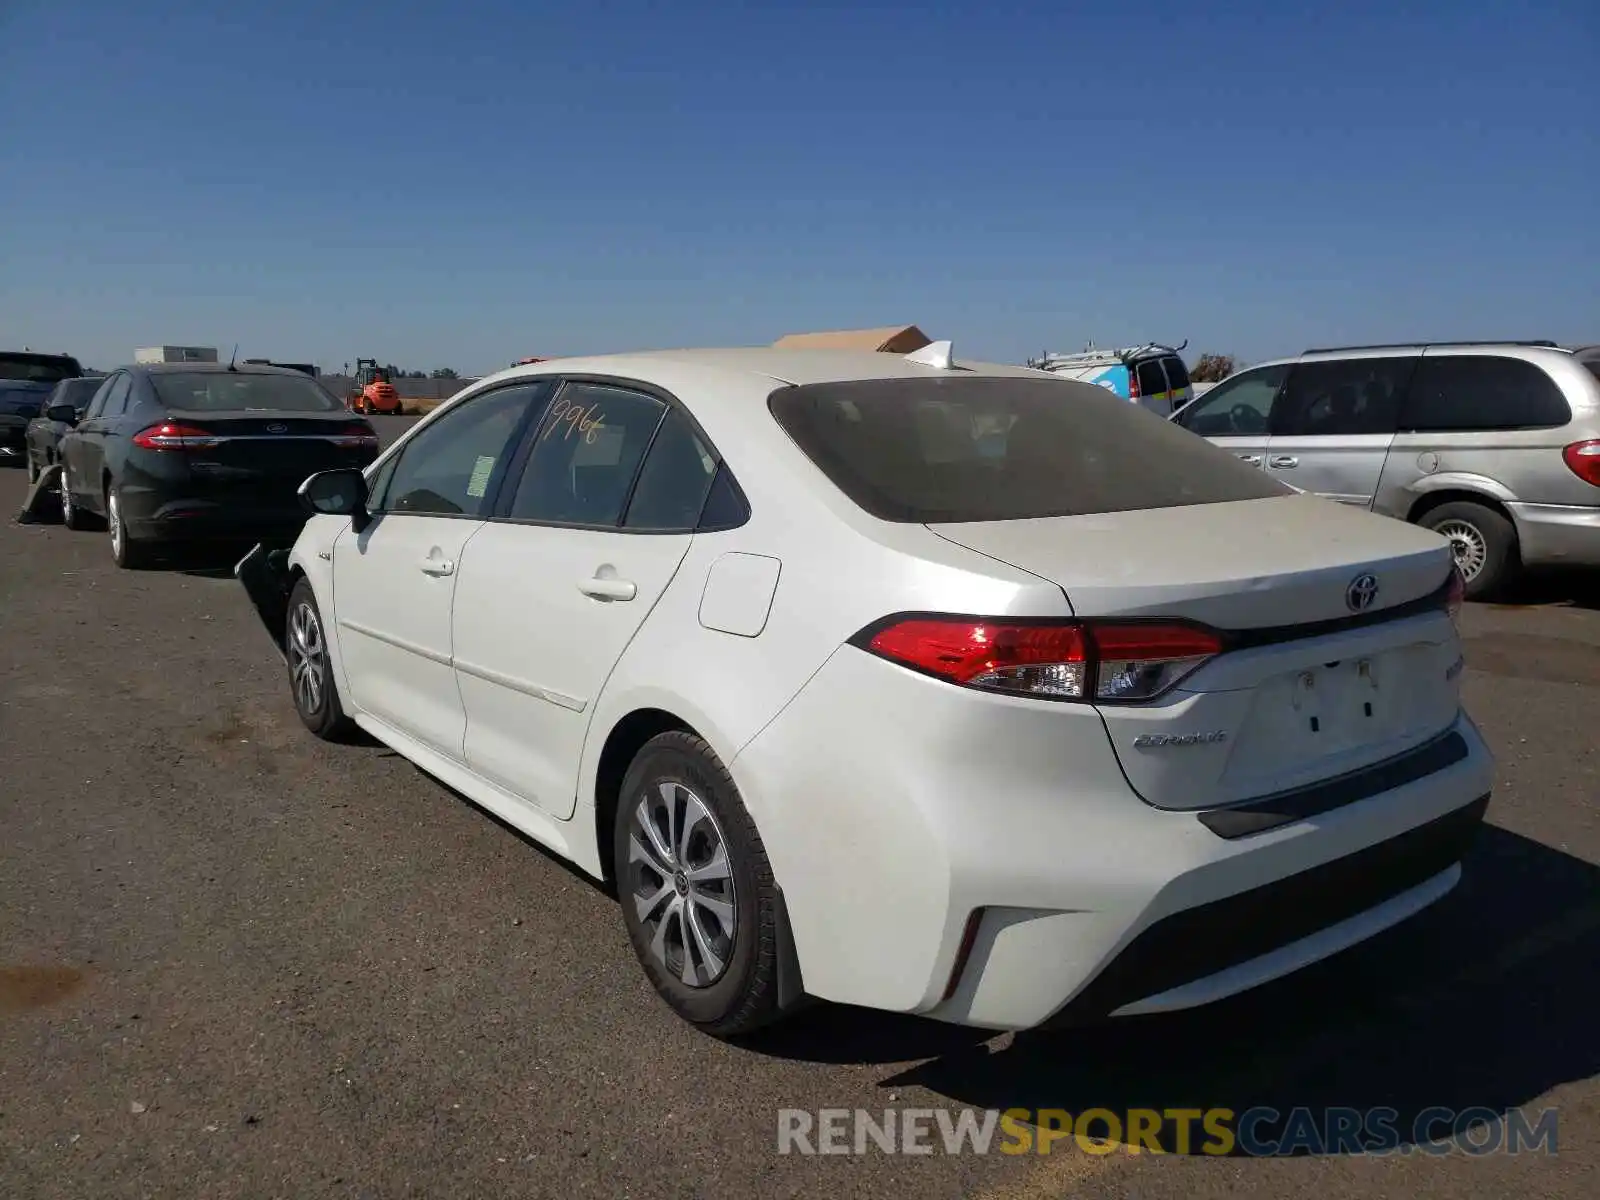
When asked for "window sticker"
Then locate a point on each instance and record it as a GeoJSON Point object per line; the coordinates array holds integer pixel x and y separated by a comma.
{"type": "Point", "coordinates": [478, 485]}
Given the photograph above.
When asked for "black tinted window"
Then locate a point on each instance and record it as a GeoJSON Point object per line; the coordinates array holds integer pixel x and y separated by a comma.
{"type": "Point", "coordinates": [38, 368]}
{"type": "Point", "coordinates": [1177, 373]}
{"type": "Point", "coordinates": [1481, 392]}
{"type": "Point", "coordinates": [76, 392]}
{"type": "Point", "coordinates": [725, 507]}
{"type": "Point", "coordinates": [586, 454]}
{"type": "Point", "coordinates": [1236, 407]}
{"type": "Point", "coordinates": [454, 465]}
{"type": "Point", "coordinates": [674, 480]}
{"type": "Point", "coordinates": [988, 449]}
{"type": "Point", "coordinates": [230, 391]}
{"type": "Point", "coordinates": [1342, 397]}
{"type": "Point", "coordinates": [1152, 382]}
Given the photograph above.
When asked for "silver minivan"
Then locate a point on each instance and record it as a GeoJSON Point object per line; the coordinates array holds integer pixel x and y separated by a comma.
{"type": "Point", "coordinates": [1496, 445]}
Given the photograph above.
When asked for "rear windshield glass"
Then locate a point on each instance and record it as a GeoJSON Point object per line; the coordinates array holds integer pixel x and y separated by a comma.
{"type": "Point", "coordinates": [1004, 449]}
{"type": "Point", "coordinates": [230, 391]}
{"type": "Point", "coordinates": [38, 368]}
{"type": "Point", "coordinates": [1177, 373]}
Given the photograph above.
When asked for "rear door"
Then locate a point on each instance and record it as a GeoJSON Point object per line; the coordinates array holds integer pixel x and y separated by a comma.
{"type": "Point", "coordinates": [1179, 390]}
{"type": "Point", "coordinates": [86, 461]}
{"type": "Point", "coordinates": [1235, 414]}
{"type": "Point", "coordinates": [554, 589]}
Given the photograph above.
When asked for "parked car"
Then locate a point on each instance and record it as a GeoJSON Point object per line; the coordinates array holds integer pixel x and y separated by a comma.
{"type": "Point", "coordinates": [62, 409]}
{"type": "Point", "coordinates": [1151, 375]}
{"type": "Point", "coordinates": [185, 452]}
{"type": "Point", "coordinates": [1496, 446]}
{"type": "Point", "coordinates": [26, 380]}
{"type": "Point", "coordinates": [849, 705]}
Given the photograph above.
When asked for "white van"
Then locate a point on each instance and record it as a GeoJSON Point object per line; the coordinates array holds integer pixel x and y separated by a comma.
{"type": "Point", "coordinates": [1152, 375]}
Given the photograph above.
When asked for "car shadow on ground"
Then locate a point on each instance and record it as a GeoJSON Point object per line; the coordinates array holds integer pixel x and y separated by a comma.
{"type": "Point", "coordinates": [1567, 587]}
{"type": "Point", "coordinates": [1484, 1003]}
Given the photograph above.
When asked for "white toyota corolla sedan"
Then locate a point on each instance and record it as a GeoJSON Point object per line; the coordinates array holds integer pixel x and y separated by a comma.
{"type": "Point", "coordinates": [930, 686]}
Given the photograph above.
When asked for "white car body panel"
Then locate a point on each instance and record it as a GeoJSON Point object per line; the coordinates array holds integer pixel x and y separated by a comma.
{"type": "Point", "coordinates": [893, 805]}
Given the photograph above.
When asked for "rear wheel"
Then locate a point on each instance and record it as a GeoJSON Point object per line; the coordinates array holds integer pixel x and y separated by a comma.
{"type": "Point", "coordinates": [316, 699]}
{"type": "Point", "coordinates": [697, 893]}
{"type": "Point", "coordinates": [128, 552]}
{"type": "Point", "coordinates": [1483, 541]}
{"type": "Point", "coordinates": [72, 516]}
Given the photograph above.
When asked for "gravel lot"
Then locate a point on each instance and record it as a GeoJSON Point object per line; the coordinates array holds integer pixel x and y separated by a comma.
{"type": "Point", "coordinates": [235, 961]}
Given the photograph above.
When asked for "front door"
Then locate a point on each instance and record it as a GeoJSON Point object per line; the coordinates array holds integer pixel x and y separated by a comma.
{"type": "Point", "coordinates": [84, 449]}
{"type": "Point", "coordinates": [551, 596]}
{"type": "Point", "coordinates": [394, 583]}
{"type": "Point", "coordinates": [1333, 423]}
{"type": "Point", "coordinates": [1234, 415]}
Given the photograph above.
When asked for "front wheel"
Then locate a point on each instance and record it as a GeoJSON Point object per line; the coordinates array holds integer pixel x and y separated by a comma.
{"type": "Point", "coordinates": [697, 892]}
{"type": "Point", "coordinates": [316, 698]}
{"type": "Point", "coordinates": [1483, 541]}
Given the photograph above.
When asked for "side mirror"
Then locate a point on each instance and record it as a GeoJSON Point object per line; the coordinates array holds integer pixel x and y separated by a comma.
{"type": "Point", "coordinates": [339, 493]}
{"type": "Point", "coordinates": [65, 413]}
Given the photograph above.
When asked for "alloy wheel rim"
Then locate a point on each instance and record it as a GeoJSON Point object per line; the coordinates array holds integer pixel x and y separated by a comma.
{"type": "Point", "coordinates": [66, 497]}
{"type": "Point", "coordinates": [115, 513]}
{"type": "Point", "coordinates": [681, 883]}
{"type": "Point", "coordinates": [1468, 546]}
{"type": "Point", "coordinates": [305, 658]}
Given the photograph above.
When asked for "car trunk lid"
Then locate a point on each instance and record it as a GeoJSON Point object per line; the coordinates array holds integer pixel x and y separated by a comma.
{"type": "Point", "coordinates": [1338, 650]}
{"type": "Point", "coordinates": [264, 457]}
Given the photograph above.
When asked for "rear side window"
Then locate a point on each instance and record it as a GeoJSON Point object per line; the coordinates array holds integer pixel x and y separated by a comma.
{"type": "Point", "coordinates": [1342, 397]}
{"type": "Point", "coordinates": [1152, 382]}
{"type": "Point", "coordinates": [674, 480]}
{"type": "Point", "coordinates": [1464, 393]}
{"type": "Point", "coordinates": [988, 449]}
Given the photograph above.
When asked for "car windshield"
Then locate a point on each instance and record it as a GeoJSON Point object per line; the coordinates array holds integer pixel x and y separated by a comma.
{"type": "Point", "coordinates": [974, 448]}
{"type": "Point", "coordinates": [237, 391]}
{"type": "Point", "coordinates": [37, 368]}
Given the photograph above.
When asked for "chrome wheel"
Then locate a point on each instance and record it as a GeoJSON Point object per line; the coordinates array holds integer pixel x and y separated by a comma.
{"type": "Point", "coordinates": [114, 520]}
{"type": "Point", "coordinates": [1467, 544]}
{"type": "Point", "coordinates": [306, 656]}
{"type": "Point", "coordinates": [681, 883]}
{"type": "Point", "coordinates": [66, 497]}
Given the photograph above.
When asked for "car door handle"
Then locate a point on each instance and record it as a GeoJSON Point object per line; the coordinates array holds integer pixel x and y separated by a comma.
{"type": "Point", "coordinates": [437, 566]}
{"type": "Point", "coordinates": [1283, 461]}
{"type": "Point", "coordinates": [1253, 459]}
{"type": "Point", "coordinates": [608, 589]}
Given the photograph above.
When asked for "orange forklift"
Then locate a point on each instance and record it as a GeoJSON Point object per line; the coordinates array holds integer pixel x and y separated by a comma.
{"type": "Point", "coordinates": [373, 393]}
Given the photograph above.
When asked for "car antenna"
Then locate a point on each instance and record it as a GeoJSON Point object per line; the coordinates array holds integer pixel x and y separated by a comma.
{"type": "Point", "coordinates": [235, 356]}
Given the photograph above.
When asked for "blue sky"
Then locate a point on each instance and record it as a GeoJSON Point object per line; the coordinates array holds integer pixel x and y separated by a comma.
{"type": "Point", "coordinates": [462, 184]}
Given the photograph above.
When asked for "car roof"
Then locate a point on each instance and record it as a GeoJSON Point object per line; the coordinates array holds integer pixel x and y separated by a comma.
{"type": "Point", "coordinates": [760, 363]}
{"type": "Point", "coordinates": [211, 369]}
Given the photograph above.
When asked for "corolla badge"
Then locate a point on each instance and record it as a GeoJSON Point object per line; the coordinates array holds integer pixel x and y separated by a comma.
{"type": "Point", "coordinates": [275, 427]}
{"type": "Point", "coordinates": [1361, 593]}
{"type": "Point", "coordinates": [1150, 741]}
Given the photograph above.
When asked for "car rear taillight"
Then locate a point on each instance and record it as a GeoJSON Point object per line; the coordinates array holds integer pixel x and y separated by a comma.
{"type": "Point", "coordinates": [1583, 460]}
{"type": "Point", "coordinates": [359, 436]}
{"type": "Point", "coordinates": [1113, 662]}
{"type": "Point", "coordinates": [169, 435]}
{"type": "Point", "coordinates": [1133, 384]}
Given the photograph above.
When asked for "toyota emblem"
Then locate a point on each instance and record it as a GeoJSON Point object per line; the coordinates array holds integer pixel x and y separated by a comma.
{"type": "Point", "coordinates": [275, 427]}
{"type": "Point", "coordinates": [1363, 590]}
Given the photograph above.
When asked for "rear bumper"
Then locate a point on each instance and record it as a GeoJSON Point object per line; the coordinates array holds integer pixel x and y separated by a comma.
{"type": "Point", "coordinates": [982, 860]}
{"type": "Point", "coordinates": [1558, 534]}
{"type": "Point", "coordinates": [158, 516]}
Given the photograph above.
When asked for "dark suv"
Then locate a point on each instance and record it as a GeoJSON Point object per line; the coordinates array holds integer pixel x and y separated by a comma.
{"type": "Point", "coordinates": [26, 381]}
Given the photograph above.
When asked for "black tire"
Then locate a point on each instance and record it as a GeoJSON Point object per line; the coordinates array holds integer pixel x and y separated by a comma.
{"type": "Point", "coordinates": [316, 696]}
{"type": "Point", "coordinates": [126, 551]}
{"type": "Point", "coordinates": [744, 995]}
{"type": "Point", "coordinates": [72, 516]}
{"type": "Point", "coordinates": [1484, 541]}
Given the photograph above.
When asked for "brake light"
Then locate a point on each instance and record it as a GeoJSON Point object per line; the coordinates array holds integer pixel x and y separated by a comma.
{"type": "Point", "coordinates": [169, 435]}
{"type": "Point", "coordinates": [1052, 660]}
{"type": "Point", "coordinates": [1133, 384]}
{"type": "Point", "coordinates": [1583, 460]}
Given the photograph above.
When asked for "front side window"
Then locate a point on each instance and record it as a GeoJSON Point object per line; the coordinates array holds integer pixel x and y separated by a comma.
{"type": "Point", "coordinates": [1342, 397]}
{"type": "Point", "coordinates": [928, 450]}
{"type": "Point", "coordinates": [98, 403]}
{"type": "Point", "coordinates": [1463, 393]}
{"type": "Point", "coordinates": [454, 466]}
{"type": "Point", "coordinates": [1236, 407]}
{"type": "Point", "coordinates": [586, 454]}
{"type": "Point", "coordinates": [117, 398]}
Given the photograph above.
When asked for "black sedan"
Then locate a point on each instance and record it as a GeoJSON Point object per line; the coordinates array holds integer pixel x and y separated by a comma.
{"type": "Point", "coordinates": [62, 409]}
{"type": "Point", "coordinates": [26, 380]}
{"type": "Point", "coordinates": [194, 452]}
